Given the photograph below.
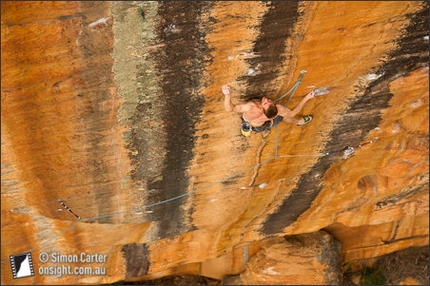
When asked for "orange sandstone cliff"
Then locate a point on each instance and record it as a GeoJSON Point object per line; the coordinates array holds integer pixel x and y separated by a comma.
{"type": "Point", "coordinates": [117, 150]}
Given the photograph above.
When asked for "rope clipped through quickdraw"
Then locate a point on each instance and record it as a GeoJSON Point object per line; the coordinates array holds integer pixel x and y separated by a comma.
{"type": "Point", "coordinates": [293, 89]}
{"type": "Point", "coordinates": [69, 209]}
{"type": "Point", "coordinates": [348, 150]}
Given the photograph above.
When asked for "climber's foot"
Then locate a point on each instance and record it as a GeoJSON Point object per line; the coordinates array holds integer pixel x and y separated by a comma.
{"type": "Point", "coordinates": [306, 120]}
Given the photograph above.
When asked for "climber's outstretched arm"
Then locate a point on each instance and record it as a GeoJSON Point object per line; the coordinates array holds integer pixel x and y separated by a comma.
{"type": "Point", "coordinates": [301, 104]}
{"type": "Point", "coordinates": [229, 106]}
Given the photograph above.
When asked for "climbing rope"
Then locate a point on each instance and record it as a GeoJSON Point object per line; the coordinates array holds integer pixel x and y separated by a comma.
{"type": "Point", "coordinates": [348, 149]}
{"type": "Point", "coordinates": [263, 142]}
{"type": "Point", "coordinates": [293, 89]}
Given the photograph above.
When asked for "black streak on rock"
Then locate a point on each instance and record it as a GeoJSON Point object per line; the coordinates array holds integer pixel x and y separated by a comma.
{"type": "Point", "coordinates": [136, 259]}
{"type": "Point", "coordinates": [180, 68]}
{"type": "Point", "coordinates": [276, 27]}
{"type": "Point", "coordinates": [362, 116]}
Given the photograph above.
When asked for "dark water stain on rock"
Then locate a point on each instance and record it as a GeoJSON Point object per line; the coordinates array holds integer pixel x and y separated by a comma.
{"type": "Point", "coordinates": [363, 115]}
{"type": "Point", "coordinates": [180, 68]}
{"type": "Point", "coordinates": [136, 258]}
{"type": "Point", "coordinates": [276, 27]}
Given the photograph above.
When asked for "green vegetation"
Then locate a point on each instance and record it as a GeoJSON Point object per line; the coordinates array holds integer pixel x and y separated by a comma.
{"type": "Point", "coordinates": [371, 276]}
{"type": "Point", "coordinates": [142, 12]}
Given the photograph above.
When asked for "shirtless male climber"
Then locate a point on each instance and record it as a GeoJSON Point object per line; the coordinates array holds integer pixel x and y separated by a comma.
{"type": "Point", "coordinates": [260, 115]}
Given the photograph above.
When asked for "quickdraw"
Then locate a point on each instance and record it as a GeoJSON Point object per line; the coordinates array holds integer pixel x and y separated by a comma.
{"type": "Point", "coordinates": [349, 150]}
{"type": "Point", "coordinates": [67, 208]}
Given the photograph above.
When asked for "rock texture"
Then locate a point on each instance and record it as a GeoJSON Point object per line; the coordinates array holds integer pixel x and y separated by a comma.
{"type": "Point", "coordinates": [115, 109]}
{"type": "Point", "coordinates": [304, 259]}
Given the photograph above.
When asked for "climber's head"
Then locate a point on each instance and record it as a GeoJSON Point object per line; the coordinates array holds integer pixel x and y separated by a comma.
{"type": "Point", "coordinates": [269, 108]}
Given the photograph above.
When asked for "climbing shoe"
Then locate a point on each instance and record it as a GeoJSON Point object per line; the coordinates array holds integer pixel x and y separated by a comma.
{"type": "Point", "coordinates": [306, 120]}
{"type": "Point", "coordinates": [246, 129]}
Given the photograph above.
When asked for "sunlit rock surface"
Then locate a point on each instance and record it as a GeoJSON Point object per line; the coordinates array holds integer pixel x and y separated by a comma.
{"type": "Point", "coordinates": [309, 259]}
{"type": "Point", "coordinates": [115, 108]}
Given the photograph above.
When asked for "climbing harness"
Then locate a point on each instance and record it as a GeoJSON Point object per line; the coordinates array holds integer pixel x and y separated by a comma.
{"type": "Point", "coordinates": [246, 127]}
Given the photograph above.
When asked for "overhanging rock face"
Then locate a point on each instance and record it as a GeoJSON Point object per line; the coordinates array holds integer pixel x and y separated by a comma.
{"type": "Point", "coordinates": [115, 110]}
{"type": "Point", "coordinates": [304, 259]}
